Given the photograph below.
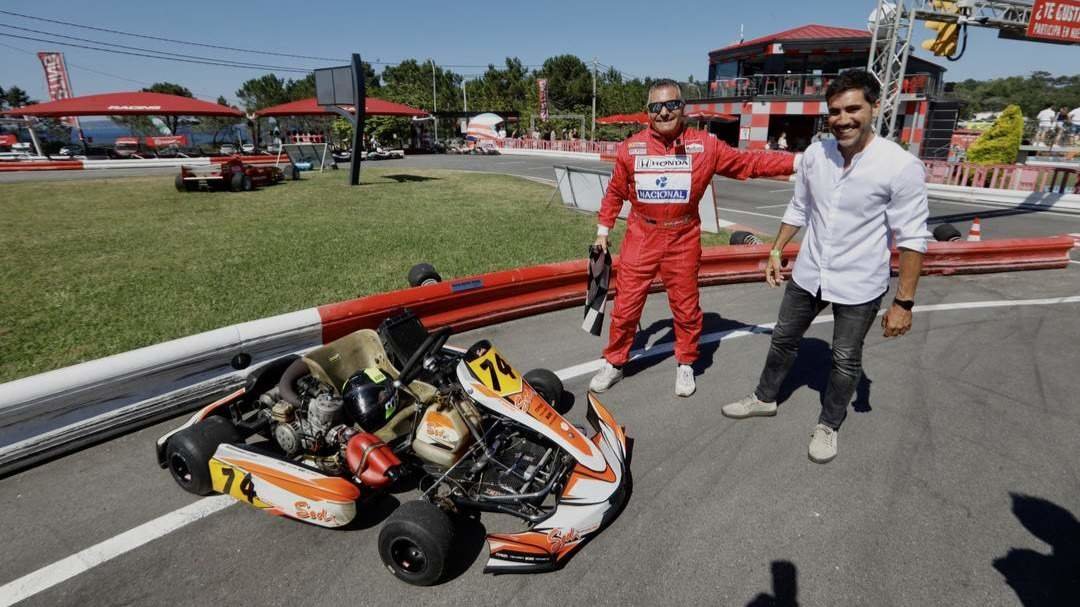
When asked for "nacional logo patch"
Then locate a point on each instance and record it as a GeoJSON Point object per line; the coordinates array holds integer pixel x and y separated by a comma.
{"type": "Point", "coordinates": [662, 179]}
{"type": "Point", "coordinates": [695, 148]}
{"type": "Point", "coordinates": [637, 148]}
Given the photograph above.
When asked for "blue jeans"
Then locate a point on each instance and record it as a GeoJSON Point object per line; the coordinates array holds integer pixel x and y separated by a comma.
{"type": "Point", "coordinates": [851, 323]}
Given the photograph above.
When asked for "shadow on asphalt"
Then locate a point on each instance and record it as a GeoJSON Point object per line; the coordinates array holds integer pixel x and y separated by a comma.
{"type": "Point", "coordinates": [811, 369]}
{"type": "Point", "coordinates": [785, 587]}
{"type": "Point", "coordinates": [1037, 578]}
{"type": "Point", "coordinates": [711, 323]}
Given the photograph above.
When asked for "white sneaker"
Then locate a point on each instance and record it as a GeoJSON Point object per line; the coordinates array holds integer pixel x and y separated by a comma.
{"type": "Point", "coordinates": [823, 444]}
{"type": "Point", "coordinates": [608, 376]}
{"type": "Point", "coordinates": [749, 406]}
{"type": "Point", "coordinates": [684, 381]}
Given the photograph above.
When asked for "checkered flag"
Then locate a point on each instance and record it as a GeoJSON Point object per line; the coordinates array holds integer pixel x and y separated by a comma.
{"type": "Point", "coordinates": [596, 299]}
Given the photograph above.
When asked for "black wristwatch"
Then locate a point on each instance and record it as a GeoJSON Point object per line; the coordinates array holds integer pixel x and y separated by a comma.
{"type": "Point", "coordinates": [906, 304]}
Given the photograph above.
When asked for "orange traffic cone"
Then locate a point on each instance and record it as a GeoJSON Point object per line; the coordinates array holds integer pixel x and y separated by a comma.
{"type": "Point", "coordinates": [975, 233]}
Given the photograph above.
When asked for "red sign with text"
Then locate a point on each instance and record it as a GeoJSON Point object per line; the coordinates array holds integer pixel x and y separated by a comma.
{"type": "Point", "coordinates": [56, 79]}
{"type": "Point", "coordinates": [165, 141]}
{"type": "Point", "coordinates": [1057, 20]}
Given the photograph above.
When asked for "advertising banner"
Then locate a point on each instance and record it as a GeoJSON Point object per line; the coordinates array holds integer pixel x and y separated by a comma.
{"type": "Point", "coordinates": [1057, 20]}
{"type": "Point", "coordinates": [542, 83]}
{"type": "Point", "coordinates": [56, 80]}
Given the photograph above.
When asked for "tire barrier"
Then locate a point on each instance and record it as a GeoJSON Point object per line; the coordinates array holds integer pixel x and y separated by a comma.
{"type": "Point", "coordinates": [53, 413]}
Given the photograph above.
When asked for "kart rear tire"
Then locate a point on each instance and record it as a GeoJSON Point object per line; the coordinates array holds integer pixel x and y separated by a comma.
{"type": "Point", "coordinates": [548, 385]}
{"type": "Point", "coordinates": [188, 453]}
{"type": "Point", "coordinates": [423, 274]}
{"type": "Point", "coordinates": [415, 543]}
{"type": "Point", "coordinates": [294, 173]}
{"type": "Point", "coordinates": [180, 185]}
{"type": "Point", "coordinates": [742, 237]}
{"type": "Point", "coordinates": [946, 232]}
{"type": "Point", "coordinates": [246, 184]}
{"type": "Point", "coordinates": [236, 182]}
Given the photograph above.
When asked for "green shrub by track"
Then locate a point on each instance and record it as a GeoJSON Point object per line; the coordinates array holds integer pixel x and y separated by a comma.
{"type": "Point", "coordinates": [96, 267]}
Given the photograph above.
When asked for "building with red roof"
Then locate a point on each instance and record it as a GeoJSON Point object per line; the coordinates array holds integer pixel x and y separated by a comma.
{"type": "Point", "coordinates": [775, 84]}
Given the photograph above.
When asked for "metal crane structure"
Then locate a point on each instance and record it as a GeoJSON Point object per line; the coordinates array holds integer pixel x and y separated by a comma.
{"type": "Point", "coordinates": [891, 25]}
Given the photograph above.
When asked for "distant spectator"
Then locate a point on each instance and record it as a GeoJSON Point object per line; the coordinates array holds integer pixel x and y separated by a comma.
{"type": "Point", "coordinates": [1074, 118]}
{"type": "Point", "coordinates": [781, 141]}
{"type": "Point", "coordinates": [552, 135]}
{"type": "Point", "coordinates": [1046, 122]}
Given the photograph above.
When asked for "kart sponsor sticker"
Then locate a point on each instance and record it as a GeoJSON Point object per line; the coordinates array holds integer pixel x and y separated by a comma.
{"type": "Point", "coordinates": [495, 373]}
{"type": "Point", "coordinates": [662, 179]}
{"type": "Point", "coordinates": [375, 374]}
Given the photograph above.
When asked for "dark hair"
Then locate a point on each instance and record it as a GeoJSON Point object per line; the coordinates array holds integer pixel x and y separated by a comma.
{"type": "Point", "coordinates": [664, 83]}
{"type": "Point", "coordinates": [855, 79]}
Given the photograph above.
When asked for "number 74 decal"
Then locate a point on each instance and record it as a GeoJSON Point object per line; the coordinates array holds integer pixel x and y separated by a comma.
{"type": "Point", "coordinates": [234, 482]}
{"type": "Point", "coordinates": [494, 372]}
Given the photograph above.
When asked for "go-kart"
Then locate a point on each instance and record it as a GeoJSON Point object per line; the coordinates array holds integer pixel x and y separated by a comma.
{"type": "Point", "coordinates": [233, 174]}
{"type": "Point", "coordinates": [316, 437]}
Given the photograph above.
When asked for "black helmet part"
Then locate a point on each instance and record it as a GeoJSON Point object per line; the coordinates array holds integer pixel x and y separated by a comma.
{"type": "Point", "coordinates": [368, 398]}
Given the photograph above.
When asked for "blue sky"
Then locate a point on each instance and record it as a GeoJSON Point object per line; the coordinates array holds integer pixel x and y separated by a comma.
{"type": "Point", "coordinates": [655, 38]}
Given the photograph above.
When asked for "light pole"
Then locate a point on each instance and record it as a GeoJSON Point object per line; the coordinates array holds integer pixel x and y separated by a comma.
{"type": "Point", "coordinates": [434, 101]}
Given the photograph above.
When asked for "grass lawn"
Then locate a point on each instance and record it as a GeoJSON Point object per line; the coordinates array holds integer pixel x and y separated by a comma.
{"type": "Point", "coordinates": [96, 267]}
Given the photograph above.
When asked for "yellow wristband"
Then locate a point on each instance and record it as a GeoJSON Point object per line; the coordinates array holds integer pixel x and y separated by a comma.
{"type": "Point", "coordinates": [774, 253]}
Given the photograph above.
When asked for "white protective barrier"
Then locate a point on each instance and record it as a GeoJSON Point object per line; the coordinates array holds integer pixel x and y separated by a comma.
{"type": "Point", "coordinates": [550, 153]}
{"type": "Point", "coordinates": [1060, 203]}
{"type": "Point", "coordinates": [59, 411]}
{"type": "Point", "coordinates": [582, 189]}
{"type": "Point", "coordinates": [145, 163]}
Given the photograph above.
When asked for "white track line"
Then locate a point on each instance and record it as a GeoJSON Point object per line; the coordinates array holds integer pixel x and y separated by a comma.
{"type": "Point", "coordinates": [748, 212]}
{"type": "Point", "coordinates": [772, 206]}
{"type": "Point", "coordinates": [51, 575]}
{"type": "Point", "coordinates": [62, 570]}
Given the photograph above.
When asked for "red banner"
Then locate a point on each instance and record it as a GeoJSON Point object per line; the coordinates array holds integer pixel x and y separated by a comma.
{"type": "Point", "coordinates": [56, 80]}
{"type": "Point", "coordinates": [166, 141]}
{"type": "Point", "coordinates": [8, 140]}
{"type": "Point", "coordinates": [542, 83]}
{"type": "Point", "coordinates": [1057, 20]}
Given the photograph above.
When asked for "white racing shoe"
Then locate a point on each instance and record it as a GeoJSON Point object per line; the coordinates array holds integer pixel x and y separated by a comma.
{"type": "Point", "coordinates": [608, 376]}
{"type": "Point", "coordinates": [684, 381]}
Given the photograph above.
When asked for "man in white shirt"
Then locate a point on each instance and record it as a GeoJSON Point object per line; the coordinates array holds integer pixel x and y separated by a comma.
{"type": "Point", "coordinates": [1074, 118]}
{"type": "Point", "coordinates": [855, 194]}
{"type": "Point", "coordinates": [1046, 122]}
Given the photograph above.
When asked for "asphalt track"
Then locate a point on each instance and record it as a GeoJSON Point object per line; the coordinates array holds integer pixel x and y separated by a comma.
{"type": "Point", "coordinates": [956, 481]}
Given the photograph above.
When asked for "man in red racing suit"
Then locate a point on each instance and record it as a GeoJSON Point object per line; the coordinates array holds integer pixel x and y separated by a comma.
{"type": "Point", "coordinates": [663, 171]}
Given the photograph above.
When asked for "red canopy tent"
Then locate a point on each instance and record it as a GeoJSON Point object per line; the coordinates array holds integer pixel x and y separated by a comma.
{"type": "Point", "coordinates": [711, 115]}
{"type": "Point", "coordinates": [308, 107]}
{"type": "Point", "coordinates": [638, 118]}
{"type": "Point", "coordinates": [125, 104]}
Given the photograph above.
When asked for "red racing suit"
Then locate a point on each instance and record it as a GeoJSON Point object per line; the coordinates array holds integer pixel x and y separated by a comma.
{"type": "Point", "coordinates": [664, 181]}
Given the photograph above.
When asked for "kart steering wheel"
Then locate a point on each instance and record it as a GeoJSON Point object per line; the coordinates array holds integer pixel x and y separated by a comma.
{"type": "Point", "coordinates": [433, 343]}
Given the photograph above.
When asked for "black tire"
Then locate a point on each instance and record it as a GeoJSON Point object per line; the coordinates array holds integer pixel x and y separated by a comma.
{"type": "Point", "coordinates": [415, 543]}
{"type": "Point", "coordinates": [294, 173]}
{"type": "Point", "coordinates": [946, 232]}
{"type": "Point", "coordinates": [548, 385]}
{"type": "Point", "coordinates": [246, 184]}
{"type": "Point", "coordinates": [423, 274]}
{"type": "Point", "coordinates": [181, 186]}
{"type": "Point", "coordinates": [188, 452]}
{"type": "Point", "coordinates": [236, 182]}
{"type": "Point", "coordinates": [742, 237]}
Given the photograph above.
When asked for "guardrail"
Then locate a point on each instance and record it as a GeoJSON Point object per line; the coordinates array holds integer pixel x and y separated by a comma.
{"type": "Point", "coordinates": [129, 163]}
{"type": "Point", "coordinates": [1025, 178]}
{"type": "Point", "coordinates": [59, 411]}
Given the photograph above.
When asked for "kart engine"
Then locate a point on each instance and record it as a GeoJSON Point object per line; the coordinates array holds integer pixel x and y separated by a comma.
{"type": "Point", "coordinates": [315, 430]}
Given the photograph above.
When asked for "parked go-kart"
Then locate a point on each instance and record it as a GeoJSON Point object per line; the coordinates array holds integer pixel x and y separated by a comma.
{"type": "Point", "coordinates": [233, 174]}
{"type": "Point", "coordinates": [313, 438]}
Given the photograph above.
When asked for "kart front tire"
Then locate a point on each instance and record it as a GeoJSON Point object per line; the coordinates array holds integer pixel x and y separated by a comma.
{"type": "Point", "coordinates": [179, 183]}
{"type": "Point", "coordinates": [188, 453]}
{"type": "Point", "coordinates": [415, 543]}
{"type": "Point", "coordinates": [548, 385]}
{"type": "Point", "coordinates": [246, 184]}
{"type": "Point", "coordinates": [946, 232]}
{"type": "Point", "coordinates": [236, 182]}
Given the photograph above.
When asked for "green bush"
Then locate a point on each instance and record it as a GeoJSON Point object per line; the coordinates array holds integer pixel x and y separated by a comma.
{"type": "Point", "coordinates": [999, 143]}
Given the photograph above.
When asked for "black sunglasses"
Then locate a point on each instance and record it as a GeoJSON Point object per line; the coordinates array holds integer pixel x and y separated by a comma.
{"type": "Point", "coordinates": [674, 104]}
